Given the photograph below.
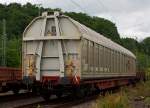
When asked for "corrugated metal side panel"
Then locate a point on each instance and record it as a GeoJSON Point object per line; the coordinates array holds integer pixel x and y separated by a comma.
{"type": "Point", "coordinates": [98, 61]}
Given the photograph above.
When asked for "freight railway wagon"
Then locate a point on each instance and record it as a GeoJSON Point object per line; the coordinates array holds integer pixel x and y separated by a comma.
{"type": "Point", "coordinates": [10, 79]}
{"type": "Point", "coordinates": [60, 54]}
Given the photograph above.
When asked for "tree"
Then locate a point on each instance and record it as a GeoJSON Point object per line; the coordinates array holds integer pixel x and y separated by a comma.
{"type": "Point", "coordinates": [130, 44]}
{"type": "Point", "coordinates": [146, 45]}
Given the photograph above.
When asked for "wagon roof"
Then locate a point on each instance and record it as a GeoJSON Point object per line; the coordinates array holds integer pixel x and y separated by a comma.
{"type": "Point", "coordinates": [98, 38]}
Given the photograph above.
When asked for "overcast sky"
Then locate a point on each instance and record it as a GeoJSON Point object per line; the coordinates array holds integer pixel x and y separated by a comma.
{"type": "Point", "coordinates": [130, 16]}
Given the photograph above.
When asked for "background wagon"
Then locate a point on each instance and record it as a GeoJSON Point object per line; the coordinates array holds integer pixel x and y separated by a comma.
{"type": "Point", "coordinates": [10, 79]}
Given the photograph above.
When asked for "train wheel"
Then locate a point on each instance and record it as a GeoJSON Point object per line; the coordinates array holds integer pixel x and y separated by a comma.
{"type": "Point", "coordinates": [15, 88]}
{"type": "Point", "coordinates": [87, 92]}
{"type": "Point", "coordinates": [1, 88]}
{"type": "Point", "coordinates": [15, 91]}
{"type": "Point", "coordinates": [79, 92]}
{"type": "Point", "coordinates": [46, 97]}
{"type": "Point", "coordinates": [35, 90]}
{"type": "Point", "coordinates": [97, 90]}
{"type": "Point", "coordinates": [45, 93]}
{"type": "Point", "coordinates": [59, 94]}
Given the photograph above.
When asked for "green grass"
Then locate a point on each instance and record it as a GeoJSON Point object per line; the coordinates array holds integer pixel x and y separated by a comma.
{"type": "Point", "coordinates": [117, 100]}
{"type": "Point", "coordinates": [125, 97]}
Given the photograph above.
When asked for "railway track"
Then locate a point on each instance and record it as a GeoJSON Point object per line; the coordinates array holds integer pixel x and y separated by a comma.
{"type": "Point", "coordinates": [7, 97]}
{"type": "Point", "coordinates": [8, 100]}
{"type": "Point", "coordinates": [64, 102]}
{"type": "Point", "coordinates": [28, 100]}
